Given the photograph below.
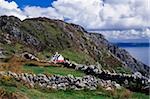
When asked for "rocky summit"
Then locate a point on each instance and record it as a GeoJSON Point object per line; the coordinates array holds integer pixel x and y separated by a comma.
{"type": "Point", "coordinates": [42, 35]}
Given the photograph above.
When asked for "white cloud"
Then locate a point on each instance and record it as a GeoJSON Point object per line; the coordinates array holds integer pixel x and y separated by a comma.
{"type": "Point", "coordinates": [35, 11]}
{"type": "Point", "coordinates": [7, 5]}
{"type": "Point", "coordinates": [91, 14]}
{"type": "Point", "coordinates": [118, 1]}
{"type": "Point", "coordinates": [126, 34]}
{"type": "Point", "coordinates": [10, 8]}
{"type": "Point", "coordinates": [83, 12]}
{"type": "Point", "coordinates": [114, 14]}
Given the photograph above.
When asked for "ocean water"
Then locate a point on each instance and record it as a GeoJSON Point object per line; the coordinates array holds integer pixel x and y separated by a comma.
{"type": "Point", "coordinates": [140, 53]}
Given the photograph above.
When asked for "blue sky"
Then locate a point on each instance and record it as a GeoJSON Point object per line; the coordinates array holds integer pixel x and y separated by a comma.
{"type": "Point", "coordinates": [91, 14]}
{"type": "Point", "coordinates": [41, 3]}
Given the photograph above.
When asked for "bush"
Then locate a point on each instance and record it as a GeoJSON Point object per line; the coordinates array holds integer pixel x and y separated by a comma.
{"type": "Point", "coordinates": [13, 64]}
{"type": "Point", "coordinates": [8, 81]}
{"type": "Point", "coordinates": [4, 94]}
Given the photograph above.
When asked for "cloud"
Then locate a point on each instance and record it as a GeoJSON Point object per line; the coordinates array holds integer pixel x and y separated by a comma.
{"type": "Point", "coordinates": [34, 11]}
{"type": "Point", "coordinates": [107, 14]}
{"type": "Point", "coordinates": [83, 12]}
{"type": "Point", "coordinates": [11, 8]}
{"type": "Point", "coordinates": [91, 14]}
{"type": "Point", "coordinates": [126, 34]}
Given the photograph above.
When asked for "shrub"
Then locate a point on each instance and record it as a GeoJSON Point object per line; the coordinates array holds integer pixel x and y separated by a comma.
{"type": "Point", "coordinates": [13, 64]}
{"type": "Point", "coordinates": [4, 94]}
{"type": "Point", "coordinates": [126, 94]}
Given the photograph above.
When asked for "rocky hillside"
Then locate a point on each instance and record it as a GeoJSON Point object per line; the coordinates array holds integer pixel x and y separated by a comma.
{"type": "Point", "coordinates": [121, 54]}
{"type": "Point", "coordinates": [41, 36]}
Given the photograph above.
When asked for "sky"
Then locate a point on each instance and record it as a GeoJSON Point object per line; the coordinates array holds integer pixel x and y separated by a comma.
{"type": "Point", "coordinates": [95, 15]}
{"type": "Point", "coordinates": [23, 3]}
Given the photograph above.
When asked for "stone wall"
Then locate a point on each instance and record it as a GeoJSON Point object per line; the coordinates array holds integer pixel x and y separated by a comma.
{"type": "Point", "coordinates": [134, 82]}
{"type": "Point", "coordinates": [61, 82]}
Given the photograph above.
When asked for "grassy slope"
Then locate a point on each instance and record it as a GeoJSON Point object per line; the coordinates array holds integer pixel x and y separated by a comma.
{"type": "Point", "coordinates": [69, 94]}
{"type": "Point", "coordinates": [48, 32]}
{"type": "Point", "coordinates": [53, 70]}
{"type": "Point", "coordinates": [42, 94]}
{"type": "Point", "coordinates": [62, 37]}
{"type": "Point", "coordinates": [54, 36]}
{"type": "Point", "coordinates": [78, 57]}
{"type": "Point", "coordinates": [10, 87]}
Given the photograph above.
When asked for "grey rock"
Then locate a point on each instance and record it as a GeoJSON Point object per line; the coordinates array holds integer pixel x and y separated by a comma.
{"type": "Point", "coordinates": [108, 89]}
{"type": "Point", "coordinates": [27, 55]}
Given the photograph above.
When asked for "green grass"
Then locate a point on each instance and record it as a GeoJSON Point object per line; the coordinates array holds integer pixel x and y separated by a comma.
{"type": "Point", "coordinates": [77, 56]}
{"type": "Point", "coordinates": [70, 94]}
{"type": "Point", "coordinates": [122, 70]}
{"type": "Point", "coordinates": [140, 96]}
{"type": "Point", "coordinates": [52, 70]}
{"type": "Point", "coordinates": [17, 88]}
{"type": "Point", "coordinates": [44, 55]}
{"type": "Point", "coordinates": [23, 91]}
{"type": "Point", "coordinates": [9, 87]}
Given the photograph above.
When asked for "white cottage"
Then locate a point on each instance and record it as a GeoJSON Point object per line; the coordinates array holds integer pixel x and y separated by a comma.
{"type": "Point", "coordinates": [57, 58]}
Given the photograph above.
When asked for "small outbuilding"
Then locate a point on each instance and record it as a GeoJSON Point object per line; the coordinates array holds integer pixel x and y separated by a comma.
{"type": "Point", "coordinates": [57, 58]}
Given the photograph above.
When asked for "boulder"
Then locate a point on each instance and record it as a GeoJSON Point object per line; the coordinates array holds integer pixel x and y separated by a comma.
{"type": "Point", "coordinates": [92, 88]}
{"type": "Point", "coordinates": [138, 74]}
{"type": "Point", "coordinates": [29, 56]}
{"type": "Point", "coordinates": [108, 89]}
{"type": "Point", "coordinates": [2, 56]}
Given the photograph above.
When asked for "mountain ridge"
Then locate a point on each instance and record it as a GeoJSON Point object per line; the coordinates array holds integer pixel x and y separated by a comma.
{"type": "Point", "coordinates": [47, 35]}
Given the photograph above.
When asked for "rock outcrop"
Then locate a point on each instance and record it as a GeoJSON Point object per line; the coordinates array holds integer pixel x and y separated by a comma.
{"type": "Point", "coordinates": [2, 56]}
{"type": "Point", "coordinates": [29, 56]}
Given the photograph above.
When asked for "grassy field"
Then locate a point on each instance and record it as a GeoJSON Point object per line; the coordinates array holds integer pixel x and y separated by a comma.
{"type": "Point", "coordinates": [52, 70]}
{"type": "Point", "coordinates": [70, 94]}
{"type": "Point", "coordinates": [40, 94]}
{"type": "Point", "coordinates": [11, 88]}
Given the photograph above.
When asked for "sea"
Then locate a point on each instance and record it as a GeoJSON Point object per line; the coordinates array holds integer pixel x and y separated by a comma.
{"type": "Point", "coordinates": [139, 48]}
{"type": "Point", "coordinates": [140, 53]}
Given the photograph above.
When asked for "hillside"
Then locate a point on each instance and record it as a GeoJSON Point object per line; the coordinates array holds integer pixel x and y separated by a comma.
{"type": "Point", "coordinates": [43, 37]}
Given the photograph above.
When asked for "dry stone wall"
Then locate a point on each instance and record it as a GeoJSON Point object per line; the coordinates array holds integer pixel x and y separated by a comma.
{"type": "Point", "coordinates": [134, 82]}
